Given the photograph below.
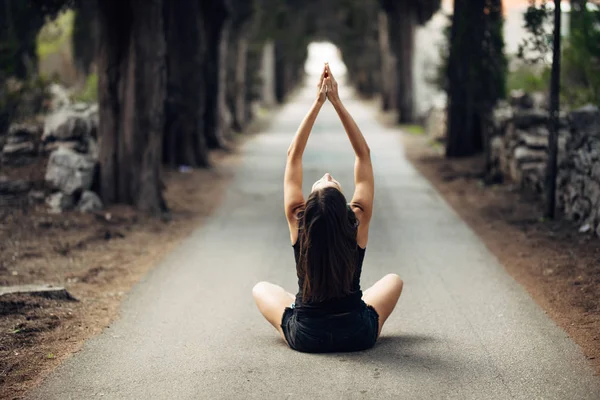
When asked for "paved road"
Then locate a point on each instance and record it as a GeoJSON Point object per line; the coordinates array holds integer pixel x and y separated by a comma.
{"type": "Point", "coordinates": [463, 328]}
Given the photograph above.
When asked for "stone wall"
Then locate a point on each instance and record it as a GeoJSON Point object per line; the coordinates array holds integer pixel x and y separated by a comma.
{"type": "Point", "coordinates": [519, 153]}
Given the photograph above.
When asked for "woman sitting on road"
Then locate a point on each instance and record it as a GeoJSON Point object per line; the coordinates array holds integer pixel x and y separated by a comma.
{"type": "Point", "coordinates": [329, 237]}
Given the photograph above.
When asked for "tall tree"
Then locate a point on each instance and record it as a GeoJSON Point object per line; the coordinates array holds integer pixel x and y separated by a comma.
{"type": "Point", "coordinates": [184, 136]}
{"type": "Point", "coordinates": [242, 33]}
{"type": "Point", "coordinates": [552, 167]}
{"type": "Point", "coordinates": [216, 21]}
{"type": "Point", "coordinates": [132, 91]}
{"type": "Point", "coordinates": [404, 16]}
{"type": "Point", "coordinates": [475, 73]}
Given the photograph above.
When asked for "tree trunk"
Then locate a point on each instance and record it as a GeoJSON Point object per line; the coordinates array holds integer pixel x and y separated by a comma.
{"type": "Point", "coordinates": [281, 74]}
{"type": "Point", "coordinates": [464, 133]}
{"type": "Point", "coordinates": [184, 139]}
{"type": "Point", "coordinates": [552, 167]}
{"type": "Point", "coordinates": [402, 38]}
{"type": "Point", "coordinates": [388, 64]}
{"type": "Point", "coordinates": [239, 120]}
{"type": "Point", "coordinates": [268, 75]}
{"type": "Point", "coordinates": [215, 15]}
{"type": "Point", "coordinates": [131, 95]}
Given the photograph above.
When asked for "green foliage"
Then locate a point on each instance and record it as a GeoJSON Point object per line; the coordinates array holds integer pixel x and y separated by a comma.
{"type": "Point", "coordinates": [529, 78]}
{"type": "Point", "coordinates": [89, 93]}
{"type": "Point", "coordinates": [22, 99]}
{"type": "Point", "coordinates": [55, 34]}
{"type": "Point", "coordinates": [413, 129]}
{"type": "Point", "coordinates": [440, 78]}
{"type": "Point", "coordinates": [20, 22]}
{"type": "Point", "coordinates": [580, 71]}
{"type": "Point", "coordinates": [581, 58]}
{"type": "Point", "coordinates": [537, 45]}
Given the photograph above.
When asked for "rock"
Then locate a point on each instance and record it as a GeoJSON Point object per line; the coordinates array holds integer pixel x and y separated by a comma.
{"type": "Point", "coordinates": [586, 121]}
{"type": "Point", "coordinates": [77, 146]}
{"type": "Point", "coordinates": [47, 291]}
{"type": "Point", "coordinates": [13, 187]}
{"type": "Point", "coordinates": [65, 124]}
{"type": "Point", "coordinates": [36, 196]}
{"type": "Point", "coordinates": [520, 99]}
{"type": "Point", "coordinates": [540, 100]}
{"type": "Point", "coordinates": [80, 107]}
{"type": "Point", "coordinates": [502, 114]}
{"type": "Point", "coordinates": [89, 202]}
{"type": "Point", "coordinates": [25, 131]}
{"type": "Point", "coordinates": [19, 149]}
{"type": "Point", "coordinates": [533, 141]}
{"type": "Point", "coordinates": [524, 155]}
{"type": "Point", "coordinates": [525, 119]}
{"type": "Point", "coordinates": [69, 171]}
{"type": "Point", "coordinates": [60, 97]}
{"type": "Point", "coordinates": [595, 173]}
{"type": "Point", "coordinates": [59, 202]}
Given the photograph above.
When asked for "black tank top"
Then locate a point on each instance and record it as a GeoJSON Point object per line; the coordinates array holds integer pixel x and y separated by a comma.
{"type": "Point", "coordinates": [336, 305]}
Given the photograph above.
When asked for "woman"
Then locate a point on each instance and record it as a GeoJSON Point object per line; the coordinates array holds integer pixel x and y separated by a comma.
{"type": "Point", "coordinates": [329, 237]}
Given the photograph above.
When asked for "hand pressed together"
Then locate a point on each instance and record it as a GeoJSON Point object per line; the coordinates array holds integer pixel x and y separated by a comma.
{"type": "Point", "coordinates": [327, 88]}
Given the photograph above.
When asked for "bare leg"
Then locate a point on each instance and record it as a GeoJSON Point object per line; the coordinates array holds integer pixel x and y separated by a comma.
{"type": "Point", "coordinates": [272, 301]}
{"type": "Point", "coordinates": [383, 296]}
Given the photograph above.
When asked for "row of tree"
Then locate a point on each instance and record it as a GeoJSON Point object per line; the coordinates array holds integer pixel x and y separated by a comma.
{"type": "Point", "coordinates": [176, 78]}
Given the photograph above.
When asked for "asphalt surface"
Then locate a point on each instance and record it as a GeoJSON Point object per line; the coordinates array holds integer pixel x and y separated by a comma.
{"type": "Point", "coordinates": [463, 328]}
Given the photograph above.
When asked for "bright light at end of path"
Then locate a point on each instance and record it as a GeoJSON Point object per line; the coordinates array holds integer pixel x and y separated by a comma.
{"type": "Point", "coordinates": [320, 53]}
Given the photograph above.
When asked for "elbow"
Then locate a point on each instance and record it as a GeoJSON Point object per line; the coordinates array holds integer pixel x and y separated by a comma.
{"type": "Point", "coordinates": [292, 153]}
{"type": "Point", "coordinates": [365, 152]}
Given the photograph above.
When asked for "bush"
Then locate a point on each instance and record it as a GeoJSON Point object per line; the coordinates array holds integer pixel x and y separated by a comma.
{"type": "Point", "coordinates": [529, 78]}
{"type": "Point", "coordinates": [20, 100]}
{"type": "Point", "coordinates": [581, 59]}
{"type": "Point", "coordinates": [89, 93]}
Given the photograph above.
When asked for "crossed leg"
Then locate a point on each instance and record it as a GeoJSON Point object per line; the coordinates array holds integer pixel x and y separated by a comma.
{"type": "Point", "coordinates": [383, 296]}
{"type": "Point", "coordinates": [272, 301]}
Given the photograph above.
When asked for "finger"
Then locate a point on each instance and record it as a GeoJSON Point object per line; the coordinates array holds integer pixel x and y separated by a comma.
{"type": "Point", "coordinates": [331, 75]}
{"type": "Point", "coordinates": [324, 85]}
{"type": "Point", "coordinates": [322, 77]}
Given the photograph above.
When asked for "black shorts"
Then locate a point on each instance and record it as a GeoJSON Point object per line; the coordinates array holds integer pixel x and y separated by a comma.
{"type": "Point", "coordinates": [353, 331]}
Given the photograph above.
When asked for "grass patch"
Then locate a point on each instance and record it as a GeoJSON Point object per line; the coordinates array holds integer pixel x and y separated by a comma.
{"type": "Point", "coordinates": [413, 129]}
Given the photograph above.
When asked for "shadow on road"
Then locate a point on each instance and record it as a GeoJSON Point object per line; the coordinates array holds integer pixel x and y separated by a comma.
{"type": "Point", "coordinates": [402, 351]}
{"type": "Point", "coordinates": [397, 351]}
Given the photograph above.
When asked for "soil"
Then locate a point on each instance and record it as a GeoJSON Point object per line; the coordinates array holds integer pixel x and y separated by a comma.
{"type": "Point", "coordinates": [558, 266]}
{"type": "Point", "coordinates": [96, 257]}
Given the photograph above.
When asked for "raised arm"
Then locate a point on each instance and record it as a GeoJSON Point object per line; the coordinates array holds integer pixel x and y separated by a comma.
{"type": "Point", "coordinates": [292, 184]}
{"type": "Point", "coordinates": [364, 183]}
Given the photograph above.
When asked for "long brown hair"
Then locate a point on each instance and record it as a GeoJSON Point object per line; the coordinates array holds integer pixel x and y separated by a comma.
{"type": "Point", "coordinates": [327, 246]}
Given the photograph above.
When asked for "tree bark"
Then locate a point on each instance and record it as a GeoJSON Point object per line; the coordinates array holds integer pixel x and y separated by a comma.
{"type": "Point", "coordinates": [184, 138]}
{"type": "Point", "coordinates": [388, 64]}
{"type": "Point", "coordinates": [403, 22]}
{"type": "Point", "coordinates": [239, 119]}
{"type": "Point", "coordinates": [132, 92]}
{"type": "Point", "coordinates": [268, 97]}
{"type": "Point", "coordinates": [216, 24]}
{"type": "Point", "coordinates": [464, 134]}
{"type": "Point", "coordinates": [552, 167]}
